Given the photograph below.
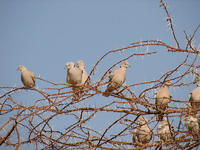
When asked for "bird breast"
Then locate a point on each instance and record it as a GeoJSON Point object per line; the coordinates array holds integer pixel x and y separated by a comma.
{"type": "Point", "coordinates": [75, 76]}
{"type": "Point", "coordinates": [196, 94]}
{"type": "Point", "coordinates": [164, 92]}
{"type": "Point", "coordinates": [27, 79]}
{"type": "Point", "coordinates": [119, 78]}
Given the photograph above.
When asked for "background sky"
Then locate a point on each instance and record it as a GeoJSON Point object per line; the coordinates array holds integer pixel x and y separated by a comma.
{"type": "Point", "coordinates": [45, 34]}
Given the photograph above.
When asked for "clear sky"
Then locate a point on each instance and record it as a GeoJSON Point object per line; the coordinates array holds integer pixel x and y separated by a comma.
{"type": "Point", "coordinates": [45, 34]}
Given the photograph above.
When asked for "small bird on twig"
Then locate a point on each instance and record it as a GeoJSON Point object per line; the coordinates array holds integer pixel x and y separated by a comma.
{"type": "Point", "coordinates": [192, 122]}
{"type": "Point", "coordinates": [116, 79]}
{"type": "Point", "coordinates": [27, 77]}
{"type": "Point", "coordinates": [143, 133]}
{"type": "Point", "coordinates": [74, 77]}
{"type": "Point", "coordinates": [81, 65]}
{"type": "Point", "coordinates": [195, 97]}
{"type": "Point", "coordinates": [164, 132]}
{"type": "Point", "coordinates": [163, 98]}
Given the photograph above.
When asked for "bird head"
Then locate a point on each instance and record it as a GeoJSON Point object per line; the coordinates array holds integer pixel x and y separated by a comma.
{"type": "Point", "coordinates": [141, 120]}
{"type": "Point", "coordinates": [21, 68]}
{"type": "Point", "coordinates": [193, 120]}
{"type": "Point", "coordinates": [198, 83]}
{"type": "Point", "coordinates": [125, 64]}
{"type": "Point", "coordinates": [69, 65]}
{"type": "Point", "coordinates": [168, 83]}
{"type": "Point", "coordinates": [80, 64]}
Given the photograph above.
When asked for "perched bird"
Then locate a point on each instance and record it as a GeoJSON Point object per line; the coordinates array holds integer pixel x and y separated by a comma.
{"type": "Point", "coordinates": [116, 79]}
{"type": "Point", "coordinates": [74, 74]}
{"type": "Point", "coordinates": [81, 65]}
{"type": "Point", "coordinates": [84, 81]}
{"type": "Point", "coordinates": [27, 77]}
{"type": "Point", "coordinates": [74, 77]}
{"type": "Point", "coordinates": [164, 132]}
{"type": "Point", "coordinates": [143, 133]}
{"type": "Point", "coordinates": [195, 97]}
{"type": "Point", "coordinates": [163, 98]}
{"type": "Point", "coordinates": [192, 124]}
{"type": "Point", "coordinates": [192, 121]}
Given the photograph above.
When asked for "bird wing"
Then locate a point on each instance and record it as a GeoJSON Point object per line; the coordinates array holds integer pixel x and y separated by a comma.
{"type": "Point", "coordinates": [111, 75]}
{"type": "Point", "coordinates": [190, 100]}
{"type": "Point", "coordinates": [32, 75]}
{"type": "Point", "coordinates": [68, 79]}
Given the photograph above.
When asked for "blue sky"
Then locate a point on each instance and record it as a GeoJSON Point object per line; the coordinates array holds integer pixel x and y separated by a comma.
{"type": "Point", "coordinates": [45, 34]}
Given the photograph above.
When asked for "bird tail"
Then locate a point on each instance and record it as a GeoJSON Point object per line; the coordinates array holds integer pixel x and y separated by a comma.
{"type": "Point", "coordinates": [108, 91]}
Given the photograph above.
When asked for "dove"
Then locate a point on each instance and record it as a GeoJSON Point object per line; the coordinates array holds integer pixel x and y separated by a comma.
{"type": "Point", "coordinates": [27, 77]}
{"type": "Point", "coordinates": [164, 132]}
{"type": "Point", "coordinates": [81, 66]}
{"type": "Point", "coordinates": [142, 133]}
{"type": "Point", "coordinates": [195, 97]}
{"type": "Point", "coordinates": [74, 74]}
{"type": "Point", "coordinates": [79, 90]}
{"type": "Point", "coordinates": [192, 124]}
{"type": "Point", "coordinates": [116, 79]}
{"type": "Point", "coordinates": [163, 98]}
{"type": "Point", "coordinates": [74, 77]}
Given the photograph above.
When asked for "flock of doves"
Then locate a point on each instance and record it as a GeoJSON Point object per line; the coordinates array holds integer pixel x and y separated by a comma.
{"type": "Point", "coordinates": [77, 76]}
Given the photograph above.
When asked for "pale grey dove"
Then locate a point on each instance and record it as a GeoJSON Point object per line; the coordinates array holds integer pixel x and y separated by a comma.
{"type": "Point", "coordinates": [164, 132]}
{"type": "Point", "coordinates": [116, 79]}
{"type": "Point", "coordinates": [81, 65]}
{"type": "Point", "coordinates": [192, 124]}
{"type": "Point", "coordinates": [27, 77]}
{"type": "Point", "coordinates": [74, 77]}
{"type": "Point", "coordinates": [74, 74]}
{"type": "Point", "coordinates": [195, 97]}
{"type": "Point", "coordinates": [143, 133]}
{"type": "Point", "coordinates": [163, 98]}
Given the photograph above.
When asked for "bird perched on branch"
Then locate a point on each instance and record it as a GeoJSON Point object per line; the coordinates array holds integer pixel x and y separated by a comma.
{"type": "Point", "coordinates": [116, 79]}
{"type": "Point", "coordinates": [143, 133]}
{"type": "Point", "coordinates": [192, 124]}
{"type": "Point", "coordinates": [81, 65]}
{"type": "Point", "coordinates": [163, 98]}
{"type": "Point", "coordinates": [195, 97]}
{"type": "Point", "coordinates": [192, 121]}
{"type": "Point", "coordinates": [27, 77]}
{"type": "Point", "coordinates": [85, 78]}
{"type": "Point", "coordinates": [74, 77]}
{"type": "Point", "coordinates": [164, 131]}
{"type": "Point", "coordinates": [74, 74]}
